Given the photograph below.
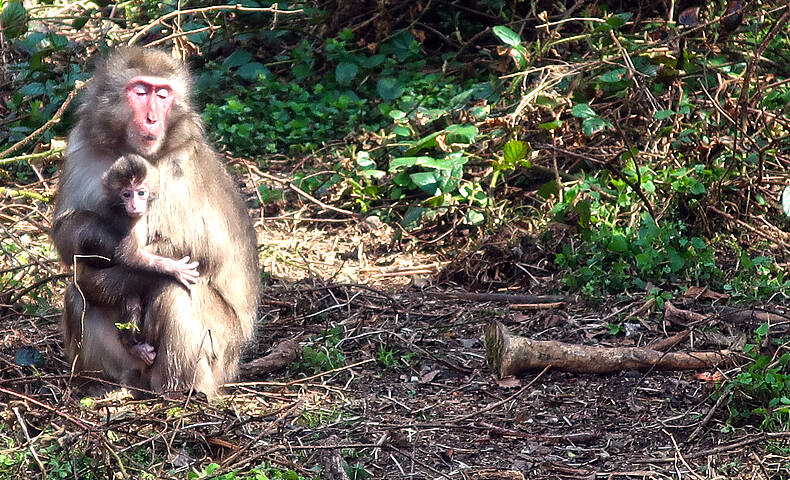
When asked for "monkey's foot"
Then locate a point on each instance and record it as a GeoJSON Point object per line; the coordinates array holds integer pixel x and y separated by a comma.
{"type": "Point", "coordinates": [144, 352]}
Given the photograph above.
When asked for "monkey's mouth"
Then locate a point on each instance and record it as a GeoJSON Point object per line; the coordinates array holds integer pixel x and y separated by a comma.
{"type": "Point", "coordinates": [147, 143]}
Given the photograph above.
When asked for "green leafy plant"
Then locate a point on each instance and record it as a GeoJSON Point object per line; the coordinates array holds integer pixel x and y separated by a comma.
{"type": "Point", "coordinates": [517, 51]}
{"type": "Point", "coordinates": [357, 472]}
{"type": "Point", "coordinates": [438, 172]}
{"type": "Point", "coordinates": [392, 358]}
{"type": "Point", "coordinates": [13, 18]}
{"type": "Point", "coordinates": [386, 357]}
{"type": "Point", "coordinates": [514, 155]}
{"type": "Point", "coordinates": [317, 359]}
{"type": "Point", "coordinates": [615, 329]}
{"type": "Point", "coordinates": [615, 258]}
{"type": "Point", "coordinates": [591, 122]}
{"type": "Point", "coordinates": [260, 114]}
{"type": "Point", "coordinates": [761, 392]}
{"type": "Point", "coordinates": [757, 278]}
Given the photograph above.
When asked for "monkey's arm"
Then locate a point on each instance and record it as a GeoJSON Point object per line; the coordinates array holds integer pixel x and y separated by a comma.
{"type": "Point", "coordinates": [130, 253]}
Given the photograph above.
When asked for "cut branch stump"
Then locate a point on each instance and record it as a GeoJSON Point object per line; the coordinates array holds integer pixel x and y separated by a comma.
{"type": "Point", "coordinates": [510, 355]}
{"type": "Point", "coordinates": [282, 355]}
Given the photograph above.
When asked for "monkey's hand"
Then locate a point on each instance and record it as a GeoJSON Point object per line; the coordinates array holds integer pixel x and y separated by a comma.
{"type": "Point", "coordinates": [144, 352]}
{"type": "Point", "coordinates": [185, 271]}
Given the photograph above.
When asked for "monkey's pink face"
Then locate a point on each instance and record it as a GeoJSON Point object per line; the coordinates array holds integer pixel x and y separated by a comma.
{"type": "Point", "coordinates": [135, 200]}
{"type": "Point", "coordinates": [150, 99]}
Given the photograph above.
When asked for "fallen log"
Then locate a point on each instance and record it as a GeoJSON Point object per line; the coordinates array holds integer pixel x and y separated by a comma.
{"type": "Point", "coordinates": [509, 355]}
{"type": "Point", "coordinates": [282, 355]}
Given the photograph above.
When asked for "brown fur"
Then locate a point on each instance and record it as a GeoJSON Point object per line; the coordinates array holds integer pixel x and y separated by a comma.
{"type": "Point", "coordinates": [198, 335]}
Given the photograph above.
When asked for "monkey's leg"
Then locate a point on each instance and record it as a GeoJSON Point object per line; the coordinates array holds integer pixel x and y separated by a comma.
{"type": "Point", "coordinates": [132, 317]}
{"type": "Point", "coordinates": [197, 338]}
{"type": "Point", "coordinates": [92, 342]}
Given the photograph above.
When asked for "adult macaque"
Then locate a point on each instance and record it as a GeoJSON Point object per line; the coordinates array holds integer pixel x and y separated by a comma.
{"type": "Point", "coordinates": [137, 103]}
{"type": "Point", "coordinates": [128, 185]}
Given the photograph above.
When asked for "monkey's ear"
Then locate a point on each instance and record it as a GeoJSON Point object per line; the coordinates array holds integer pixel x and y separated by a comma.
{"type": "Point", "coordinates": [107, 185]}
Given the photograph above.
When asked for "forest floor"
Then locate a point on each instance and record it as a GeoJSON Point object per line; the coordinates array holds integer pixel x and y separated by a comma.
{"type": "Point", "coordinates": [394, 374]}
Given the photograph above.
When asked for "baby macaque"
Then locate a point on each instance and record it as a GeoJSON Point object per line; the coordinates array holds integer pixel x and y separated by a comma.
{"type": "Point", "coordinates": [128, 186]}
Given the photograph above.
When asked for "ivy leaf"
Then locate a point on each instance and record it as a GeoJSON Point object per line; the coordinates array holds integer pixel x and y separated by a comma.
{"type": "Point", "coordinates": [553, 125]}
{"type": "Point", "coordinates": [57, 42]}
{"type": "Point", "coordinates": [427, 182]}
{"type": "Point", "coordinates": [373, 61]}
{"type": "Point", "coordinates": [345, 72]}
{"type": "Point", "coordinates": [507, 36]}
{"type": "Point", "coordinates": [34, 88]}
{"type": "Point", "coordinates": [614, 76]}
{"type": "Point", "coordinates": [618, 244]}
{"type": "Point", "coordinates": [413, 216]}
{"type": "Point", "coordinates": [389, 88]}
{"type": "Point", "coordinates": [402, 43]}
{"type": "Point", "coordinates": [592, 125]}
{"type": "Point", "coordinates": [428, 141]}
{"type": "Point", "coordinates": [618, 19]}
{"type": "Point", "coordinates": [269, 195]}
{"type": "Point", "coordinates": [663, 114]}
{"type": "Point", "coordinates": [363, 160]}
{"type": "Point", "coordinates": [519, 55]}
{"type": "Point", "coordinates": [403, 163]}
{"type": "Point", "coordinates": [447, 163]}
{"type": "Point", "coordinates": [80, 22]}
{"type": "Point", "coordinates": [584, 209]}
{"type": "Point", "coordinates": [582, 110]}
{"type": "Point", "coordinates": [373, 173]}
{"type": "Point", "coordinates": [697, 187]}
{"type": "Point", "coordinates": [237, 59]}
{"type": "Point", "coordinates": [401, 131]}
{"type": "Point", "coordinates": [762, 330]}
{"type": "Point", "coordinates": [515, 151]}
{"type": "Point", "coordinates": [464, 134]}
{"type": "Point", "coordinates": [676, 262]}
{"type": "Point", "coordinates": [14, 19]}
{"type": "Point", "coordinates": [251, 71]}
{"type": "Point", "coordinates": [473, 217]}
{"type": "Point", "coordinates": [548, 189]}
{"type": "Point", "coordinates": [402, 180]}
{"type": "Point", "coordinates": [615, 21]}
{"type": "Point", "coordinates": [199, 37]}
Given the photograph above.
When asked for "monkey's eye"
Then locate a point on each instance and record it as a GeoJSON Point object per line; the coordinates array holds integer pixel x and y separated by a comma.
{"type": "Point", "coordinates": [162, 93]}
{"type": "Point", "coordinates": [126, 195]}
{"type": "Point", "coordinates": [142, 193]}
{"type": "Point", "coordinates": [140, 90]}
